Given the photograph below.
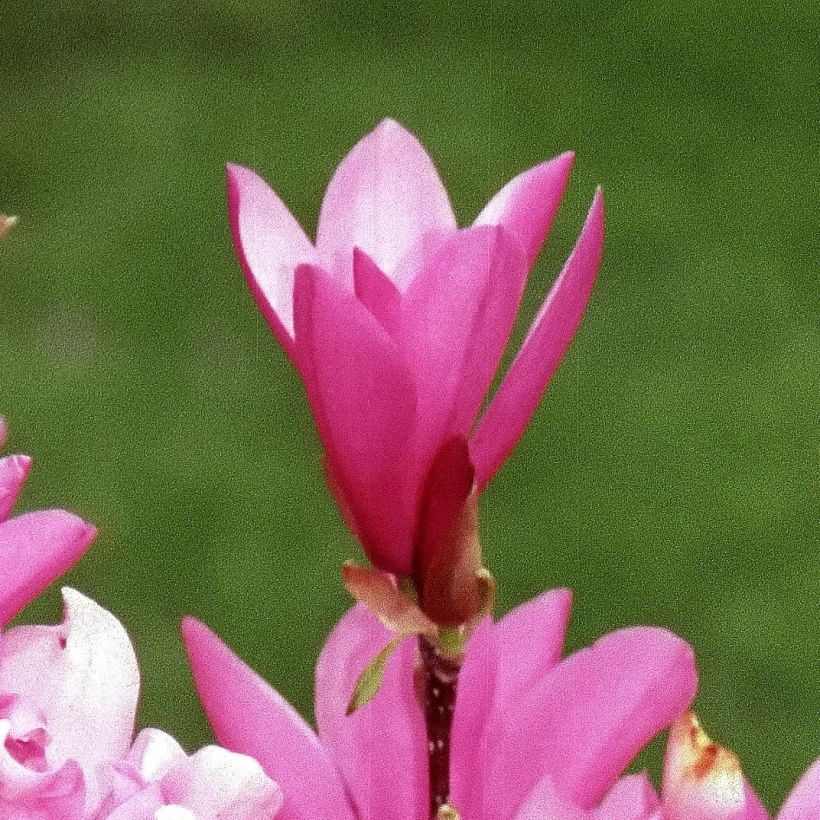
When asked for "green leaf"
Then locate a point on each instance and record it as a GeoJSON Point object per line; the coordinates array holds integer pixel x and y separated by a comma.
{"type": "Point", "coordinates": [367, 686]}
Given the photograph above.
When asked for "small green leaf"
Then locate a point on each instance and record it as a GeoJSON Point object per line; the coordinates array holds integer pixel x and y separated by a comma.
{"type": "Point", "coordinates": [367, 686]}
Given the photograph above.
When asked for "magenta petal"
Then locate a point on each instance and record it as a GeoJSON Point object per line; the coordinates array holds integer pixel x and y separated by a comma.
{"type": "Point", "coordinates": [530, 641]}
{"type": "Point", "coordinates": [363, 398]}
{"type": "Point", "coordinates": [376, 291]}
{"type": "Point", "coordinates": [526, 206]}
{"type": "Point", "coordinates": [590, 716]}
{"type": "Point", "coordinates": [249, 717]}
{"type": "Point", "coordinates": [385, 195]}
{"type": "Point", "coordinates": [804, 801]}
{"type": "Point", "coordinates": [510, 410]}
{"type": "Point", "coordinates": [270, 244]}
{"type": "Point", "coordinates": [632, 798]}
{"type": "Point", "coordinates": [13, 473]}
{"type": "Point", "coordinates": [38, 547]}
{"type": "Point", "coordinates": [455, 321]}
{"type": "Point", "coordinates": [470, 754]}
{"type": "Point", "coordinates": [380, 749]}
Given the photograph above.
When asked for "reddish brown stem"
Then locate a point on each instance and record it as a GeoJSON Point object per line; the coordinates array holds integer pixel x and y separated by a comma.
{"type": "Point", "coordinates": [440, 685]}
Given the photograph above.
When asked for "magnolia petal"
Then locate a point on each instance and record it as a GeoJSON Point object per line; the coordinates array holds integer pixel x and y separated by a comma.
{"type": "Point", "coordinates": [510, 410]}
{"type": "Point", "coordinates": [217, 783]}
{"type": "Point", "coordinates": [804, 801]}
{"type": "Point", "coordinates": [526, 206]}
{"type": "Point", "coordinates": [584, 722]}
{"type": "Point", "coordinates": [704, 781]}
{"type": "Point", "coordinates": [82, 675]}
{"type": "Point", "coordinates": [385, 736]}
{"type": "Point", "coordinates": [469, 753]}
{"type": "Point", "coordinates": [375, 291]}
{"type": "Point", "coordinates": [364, 400]}
{"type": "Point", "coordinates": [270, 243]}
{"type": "Point", "coordinates": [545, 801]}
{"type": "Point", "coordinates": [530, 641]}
{"type": "Point", "coordinates": [633, 797]}
{"type": "Point", "coordinates": [41, 546]}
{"type": "Point", "coordinates": [456, 318]}
{"type": "Point", "coordinates": [384, 196]}
{"type": "Point", "coordinates": [13, 473]}
{"type": "Point", "coordinates": [249, 717]}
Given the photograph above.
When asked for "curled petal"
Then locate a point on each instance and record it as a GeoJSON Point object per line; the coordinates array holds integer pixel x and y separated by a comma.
{"type": "Point", "coordinates": [82, 676]}
{"type": "Point", "coordinates": [217, 783]}
{"type": "Point", "coordinates": [550, 335]}
{"type": "Point", "coordinates": [632, 798]}
{"type": "Point", "coordinates": [385, 195]}
{"type": "Point", "coordinates": [249, 717]}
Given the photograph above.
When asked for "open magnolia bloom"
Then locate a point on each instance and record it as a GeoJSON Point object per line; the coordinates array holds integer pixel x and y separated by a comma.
{"type": "Point", "coordinates": [397, 321]}
{"type": "Point", "coordinates": [526, 724]}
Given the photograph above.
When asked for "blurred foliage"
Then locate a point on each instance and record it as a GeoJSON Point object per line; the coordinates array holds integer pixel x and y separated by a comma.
{"type": "Point", "coordinates": [669, 476]}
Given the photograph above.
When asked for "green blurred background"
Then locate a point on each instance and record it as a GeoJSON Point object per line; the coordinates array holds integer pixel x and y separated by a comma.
{"type": "Point", "coordinates": [669, 476]}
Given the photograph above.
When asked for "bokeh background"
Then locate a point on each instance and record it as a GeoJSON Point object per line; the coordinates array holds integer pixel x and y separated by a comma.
{"type": "Point", "coordinates": [669, 476]}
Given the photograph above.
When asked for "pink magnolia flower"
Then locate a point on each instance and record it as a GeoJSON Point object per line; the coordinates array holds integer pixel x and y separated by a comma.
{"type": "Point", "coordinates": [528, 727]}
{"type": "Point", "coordinates": [397, 320]}
{"type": "Point", "coordinates": [68, 699]}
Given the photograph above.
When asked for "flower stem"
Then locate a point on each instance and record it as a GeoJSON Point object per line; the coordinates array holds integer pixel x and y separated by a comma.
{"type": "Point", "coordinates": [440, 684]}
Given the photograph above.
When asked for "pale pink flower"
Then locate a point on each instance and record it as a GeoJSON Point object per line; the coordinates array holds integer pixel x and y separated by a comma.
{"type": "Point", "coordinates": [68, 699]}
{"type": "Point", "coordinates": [397, 320]}
{"type": "Point", "coordinates": [530, 730]}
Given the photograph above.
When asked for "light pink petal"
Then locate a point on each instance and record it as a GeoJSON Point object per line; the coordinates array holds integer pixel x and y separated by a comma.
{"type": "Point", "coordinates": [375, 291]}
{"type": "Point", "coordinates": [153, 754]}
{"type": "Point", "coordinates": [550, 335]}
{"type": "Point", "coordinates": [545, 802]}
{"type": "Point", "coordinates": [363, 398]}
{"type": "Point", "coordinates": [249, 717]}
{"type": "Point", "coordinates": [82, 676]}
{"type": "Point", "coordinates": [530, 641]}
{"type": "Point", "coordinates": [526, 206]}
{"type": "Point", "coordinates": [13, 473]}
{"type": "Point", "coordinates": [145, 804]}
{"type": "Point", "coordinates": [384, 196]}
{"type": "Point", "coordinates": [804, 801]}
{"type": "Point", "coordinates": [469, 753]}
{"type": "Point", "coordinates": [455, 321]}
{"type": "Point", "coordinates": [584, 722]}
{"type": "Point", "coordinates": [270, 244]}
{"type": "Point", "coordinates": [217, 783]}
{"type": "Point", "coordinates": [632, 798]}
{"type": "Point", "coordinates": [36, 549]}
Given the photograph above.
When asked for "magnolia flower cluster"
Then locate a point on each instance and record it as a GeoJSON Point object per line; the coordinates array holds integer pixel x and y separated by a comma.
{"type": "Point", "coordinates": [396, 321]}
